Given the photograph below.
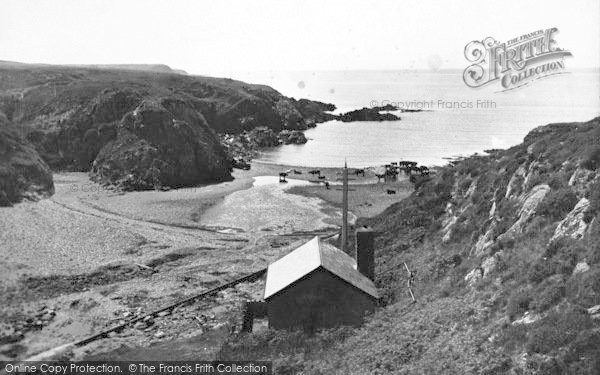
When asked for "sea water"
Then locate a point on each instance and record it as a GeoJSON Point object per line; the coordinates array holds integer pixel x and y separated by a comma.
{"type": "Point", "coordinates": [457, 121]}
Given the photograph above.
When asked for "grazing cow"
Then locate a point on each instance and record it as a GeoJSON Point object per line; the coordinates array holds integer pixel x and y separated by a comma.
{"type": "Point", "coordinates": [315, 171]}
{"type": "Point", "coordinates": [360, 171]}
{"type": "Point", "coordinates": [389, 191]}
{"type": "Point", "coordinates": [282, 177]}
{"type": "Point", "coordinates": [322, 177]}
{"type": "Point", "coordinates": [327, 185]}
{"type": "Point", "coordinates": [380, 176]}
{"type": "Point", "coordinates": [424, 170]}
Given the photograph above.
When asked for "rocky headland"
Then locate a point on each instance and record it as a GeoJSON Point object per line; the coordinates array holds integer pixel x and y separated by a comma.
{"type": "Point", "coordinates": [145, 127]}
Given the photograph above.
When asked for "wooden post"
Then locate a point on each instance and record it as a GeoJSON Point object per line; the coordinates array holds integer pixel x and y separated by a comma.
{"type": "Point", "coordinates": [345, 209]}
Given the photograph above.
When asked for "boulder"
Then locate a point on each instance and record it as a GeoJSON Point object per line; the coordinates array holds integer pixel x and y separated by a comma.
{"type": "Point", "coordinates": [581, 267]}
{"type": "Point", "coordinates": [292, 137]}
{"type": "Point", "coordinates": [573, 225]}
{"type": "Point", "coordinates": [530, 204]}
{"type": "Point", "coordinates": [580, 180]}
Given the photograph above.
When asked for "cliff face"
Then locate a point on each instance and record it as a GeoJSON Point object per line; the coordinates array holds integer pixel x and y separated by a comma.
{"type": "Point", "coordinates": [506, 250]}
{"type": "Point", "coordinates": [156, 148]}
{"type": "Point", "coordinates": [83, 117]}
{"type": "Point", "coordinates": [23, 174]}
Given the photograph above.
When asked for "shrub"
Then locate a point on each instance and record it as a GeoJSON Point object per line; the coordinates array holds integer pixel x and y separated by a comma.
{"type": "Point", "coordinates": [594, 196]}
{"type": "Point", "coordinates": [518, 302]}
{"type": "Point", "coordinates": [557, 203]}
{"type": "Point", "coordinates": [557, 330]}
{"type": "Point", "coordinates": [584, 288]}
{"type": "Point", "coordinates": [583, 354]}
{"type": "Point", "coordinates": [541, 270]}
{"type": "Point", "coordinates": [548, 294]}
{"type": "Point", "coordinates": [592, 160]}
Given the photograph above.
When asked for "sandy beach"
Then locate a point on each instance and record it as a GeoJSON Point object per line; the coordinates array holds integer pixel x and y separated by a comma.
{"type": "Point", "coordinates": [82, 253]}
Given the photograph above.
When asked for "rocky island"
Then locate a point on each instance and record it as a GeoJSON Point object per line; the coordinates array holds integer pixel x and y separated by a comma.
{"type": "Point", "coordinates": [370, 114]}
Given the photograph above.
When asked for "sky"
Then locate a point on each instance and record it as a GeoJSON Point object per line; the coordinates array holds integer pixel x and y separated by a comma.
{"type": "Point", "coordinates": [220, 36]}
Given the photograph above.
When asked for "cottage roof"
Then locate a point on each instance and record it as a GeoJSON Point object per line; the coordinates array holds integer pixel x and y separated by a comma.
{"type": "Point", "coordinates": [309, 257]}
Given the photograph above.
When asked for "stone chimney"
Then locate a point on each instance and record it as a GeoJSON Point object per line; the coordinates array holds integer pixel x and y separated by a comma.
{"type": "Point", "coordinates": [365, 252]}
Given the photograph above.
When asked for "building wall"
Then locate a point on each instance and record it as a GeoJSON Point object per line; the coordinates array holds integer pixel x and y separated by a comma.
{"type": "Point", "coordinates": [319, 300]}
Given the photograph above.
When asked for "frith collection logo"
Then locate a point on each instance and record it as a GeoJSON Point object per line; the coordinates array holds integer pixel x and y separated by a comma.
{"type": "Point", "coordinates": [515, 63]}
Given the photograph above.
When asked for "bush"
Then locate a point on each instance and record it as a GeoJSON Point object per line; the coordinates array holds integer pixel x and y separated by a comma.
{"type": "Point", "coordinates": [584, 288]}
{"type": "Point", "coordinates": [592, 160]}
{"type": "Point", "coordinates": [557, 330]}
{"type": "Point", "coordinates": [594, 196]}
{"type": "Point", "coordinates": [518, 302]}
{"type": "Point", "coordinates": [557, 203]}
{"type": "Point", "coordinates": [548, 294]}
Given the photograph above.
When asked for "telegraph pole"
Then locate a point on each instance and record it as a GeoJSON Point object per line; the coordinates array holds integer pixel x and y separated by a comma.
{"type": "Point", "coordinates": [345, 191]}
{"type": "Point", "coordinates": [345, 208]}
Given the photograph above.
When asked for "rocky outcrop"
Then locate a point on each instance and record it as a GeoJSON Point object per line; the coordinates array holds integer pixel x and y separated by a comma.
{"type": "Point", "coordinates": [23, 173]}
{"type": "Point", "coordinates": [75, 117]}
{"type": "Point", "coordinates": [573, 225]}
{"type": "Point", "coordinates": [530, 203]}
{"type": "Point", "coordinates": [367, 114]}
{"type": "Point", "coordinates": [292, 137]}
{"type": "Point", "coordinates": [157, 148]}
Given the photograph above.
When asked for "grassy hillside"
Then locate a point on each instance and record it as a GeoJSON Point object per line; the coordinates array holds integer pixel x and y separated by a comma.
{"type": "Point", "coordinates": [73, 114]}
{"type": "Point", "coordinates": [507, 252]}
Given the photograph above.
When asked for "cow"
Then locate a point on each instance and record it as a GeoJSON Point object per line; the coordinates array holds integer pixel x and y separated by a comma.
{"type": "Point", "coordinates": [315, 172]}
{"type": "Point", "coordinates": [282, 176]}
{"type": "Point", "coordinates": [390, 191]}
{"type": "Point", "coordinates": [359, 172]}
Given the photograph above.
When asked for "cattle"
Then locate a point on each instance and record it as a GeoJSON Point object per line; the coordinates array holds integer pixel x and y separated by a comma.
{"type": "Point", "coordinates": [389, 191]}
{"type": "Point", "coordinates": [359, 171]}
{"type": "Point", "coordinates": [322, 177]}
{"type": "Point", "coordinates": [380, 176]}
{"type": "Point", "coordinates": [297, 171]}
{"type": "Point", "coordinates": [282, 177]}
{"type": "Point", "coordinates": [315, 171]}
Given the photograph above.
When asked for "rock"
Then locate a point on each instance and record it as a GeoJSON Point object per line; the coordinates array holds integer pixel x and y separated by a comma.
{"type": "Point", "coordinates": [23, 173]}
{"type": "Point", "coordinates": [484, 242]}
{"type": "Point", "coordinates": [573, 225]}
{"type": "Point", "coordinates": [527, 319]}
{"type": "Point", "coordinates": [155, 147]}
{"type": "Point", "coordinates": [581, 267]}
{"type": "Point", "coordinates": [472, 277]}
{"type": "Point", "coordinates": [530, 204]}
{"type": "Point", "coordinates": [580, 180]}
{"type": "Point", "coordinates": [80, 119]}
{"type": "Point", "coordinates": [489, 264]}
{"type": "Point", "coordinates": [368, 114]}
{"type": "Point", "coordinates": [292, 137]}
{"type": "Point", "coordinates": [516, 182]}
{"type": "Point", "coordinates": [594, 310]}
